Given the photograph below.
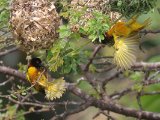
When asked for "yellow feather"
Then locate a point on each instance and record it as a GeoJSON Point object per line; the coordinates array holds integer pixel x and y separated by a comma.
{"type": "Point", "coordinates": [126, 50]}
{"type": "Point", "coordinates": [136, 26]}
{"type": "Point", "coordinates": [125, 29]}
{"type": "Point", "coordinates": [127, 39]}
{"type": "Point", "coordinates": [36, 78]}
{"type": "Point", "coordinates": [53, 89]}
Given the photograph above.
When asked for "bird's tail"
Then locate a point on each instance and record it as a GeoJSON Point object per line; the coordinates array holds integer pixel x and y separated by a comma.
{"type": "Point", "coordinates": [55, 89]}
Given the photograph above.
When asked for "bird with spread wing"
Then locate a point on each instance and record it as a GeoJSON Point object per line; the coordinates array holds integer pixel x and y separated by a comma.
{"type": "Point", "coordinates": [37, 76]}
{"type": "Point", "coordinates": [125, 38]}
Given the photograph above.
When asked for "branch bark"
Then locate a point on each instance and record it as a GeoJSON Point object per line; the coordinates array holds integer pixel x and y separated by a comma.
{"type": "Point", "coordinates": [115, 107]}
{"type": "Point", "coordinates": [103, 105]}
{"type": "Point", "coordinates": [96, 50]}
{"type": "Point", "coordinates": [144, 65]}
{"type": "Point", "coordinates": [8, 51]}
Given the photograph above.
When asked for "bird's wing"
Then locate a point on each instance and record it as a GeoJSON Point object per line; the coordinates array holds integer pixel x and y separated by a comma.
{"type": "Point", "coordinates": [55, 89]}
{"type": "Point", "coordinates": [126, 50]}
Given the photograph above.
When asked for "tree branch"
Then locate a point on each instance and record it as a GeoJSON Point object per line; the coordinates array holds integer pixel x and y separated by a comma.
{"type": "Point", "coordinates": [67, 113]}
{"type": "Point", "coordinates": [114, 107]}
{"type": "Point", "coordinates": [8, 51]}
{"type": "Point", "coordinates": [96, 102]}
{"type": "Point", "coordinates": [144, 65]}
{"type": "Point", "coordinates": [150, 31]}
{"type": "Point", "coordinates": [13, 72]}
{"type": "Point", "coordinates": [92, 57]}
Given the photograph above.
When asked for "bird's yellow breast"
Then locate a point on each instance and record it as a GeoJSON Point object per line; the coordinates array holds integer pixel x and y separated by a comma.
{"type": "Point", "coordinates": [32, 74]}
{"type": "Point", "coordinates": [36, 77]}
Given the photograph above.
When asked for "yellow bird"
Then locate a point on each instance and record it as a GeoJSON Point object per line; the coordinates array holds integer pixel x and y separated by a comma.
{"type": "Point", "coordinates": [126, 41]}
{"type": "Point", "coordinates": [37, 76]}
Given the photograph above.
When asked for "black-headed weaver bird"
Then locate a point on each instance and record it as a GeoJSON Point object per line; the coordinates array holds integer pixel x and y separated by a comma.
{"type": "Point", "coordinates": [125, 38]}
{"type": "Point", "coordinates": [37, 76]}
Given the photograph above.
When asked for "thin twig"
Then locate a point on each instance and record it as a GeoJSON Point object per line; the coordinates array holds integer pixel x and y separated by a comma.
{"type": "Point", "coordinates": [8, 51]}
{"type": "Point", "coordinates": [7, 81]}
{"type": "Point", "coordinates": [150, 31]}
{"type": "Point", "coordinates": [67, 113]}
{"type": "Point", "coordinates": [96, 50]}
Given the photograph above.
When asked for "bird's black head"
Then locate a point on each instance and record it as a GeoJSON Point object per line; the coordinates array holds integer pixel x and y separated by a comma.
{"type": "Point", "coordinates": [36, 62]}
{"type": "Point", "coordinates": [108, 40]}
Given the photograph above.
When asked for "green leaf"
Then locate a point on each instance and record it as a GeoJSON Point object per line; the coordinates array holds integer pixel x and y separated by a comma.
{"type": "Point", "coordinates": [138, 87]}
{"type": "Point", "coordinates": [11, 112]}
{"type": "Point", "coordinates": [92, 68]}
{"type": "Point", "coordinates": [19, 87]}
{"type": "Point", "coordinates": [55, 62]}
{"type": "Point", "coordinates": [12, 95]}
{"type": "Point", "coordinates": [119, 3]}
{"type": "Point", "coordinates": [136, 76]}
{"type": "Point", "coordinates": [21, 67]}
{"type": "Point", "coordinates": [24, 93]}
{"type": "Point", "coordinates": [20, 115]}
{"type": "Point", "coordinates": [64, 31]}
{"type": "Point", "coordinates": [64, 14]}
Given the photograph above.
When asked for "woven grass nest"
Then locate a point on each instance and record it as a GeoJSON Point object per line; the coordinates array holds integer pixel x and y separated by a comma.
{"type": "Point", "coordinates": [92, 5]}
{"type": "Point", "coordinates": [34, 23]}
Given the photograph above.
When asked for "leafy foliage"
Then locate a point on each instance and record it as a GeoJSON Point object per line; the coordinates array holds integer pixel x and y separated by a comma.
{"type": "Point", "coordinates": [65, 57]}
{"type": "Point", "coordinates": [65, 53]}
{"type": "Point", "coordinates": [97, 26]}
{"type": "Point", "coordinates": [11, 113]}
{"type": "Point", "coordinates": [4, 13]}
{"type": "Point", "coordinates": [92, 24]}
{"type": "Point", "coordinates": [4, 24]}
{"type": "Point", "coordinates": [136, 76]}
{"type": "Point", "coordinates": [129, 8]}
